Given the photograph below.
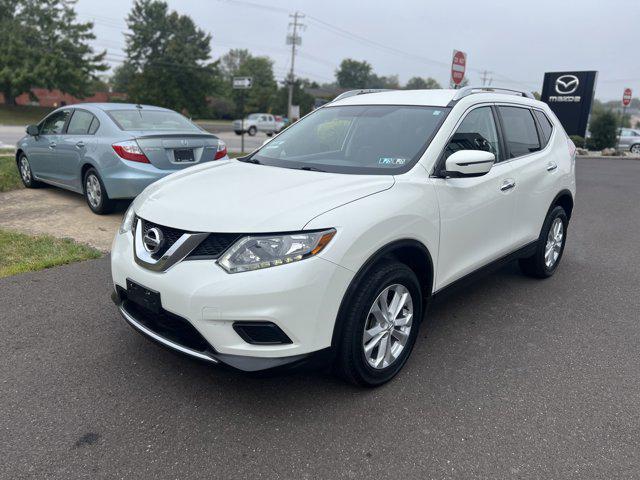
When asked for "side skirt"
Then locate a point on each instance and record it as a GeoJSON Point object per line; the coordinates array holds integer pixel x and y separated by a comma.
{"type": "Point", "coordinates": [526, 251]}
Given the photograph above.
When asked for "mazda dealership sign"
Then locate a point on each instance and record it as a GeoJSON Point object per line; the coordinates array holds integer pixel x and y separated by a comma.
{"type": "Point", "coordinates": [569, 94]}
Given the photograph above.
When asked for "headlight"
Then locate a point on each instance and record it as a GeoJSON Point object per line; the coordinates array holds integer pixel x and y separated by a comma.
{"type": "Point", "coordinates": [127, 221]}
{"type": "Point", "coordinates": [264, 251]}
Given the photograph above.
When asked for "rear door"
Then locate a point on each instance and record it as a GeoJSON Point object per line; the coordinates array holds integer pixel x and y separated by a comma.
{"type": "Point", "coordinates": [535, 163]}
{"type": "Point", "coordinates": [174, 151]}
{"type": "Point", "coordinates": [43, 153]}
{"type": "Point", "coordinates": [73, 146]}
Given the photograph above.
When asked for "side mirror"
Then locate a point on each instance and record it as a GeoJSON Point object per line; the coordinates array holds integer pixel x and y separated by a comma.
{"type": "Point", "coordinates": [469, 163]}
{"type": "Point", "coordinates": [33, 130]}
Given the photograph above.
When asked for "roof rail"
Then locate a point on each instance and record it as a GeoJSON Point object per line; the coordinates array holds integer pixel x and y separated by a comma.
{"type": "Point", "coordinates": [464, 91]}
{"type": "Point", "coordinates": [362, 91]}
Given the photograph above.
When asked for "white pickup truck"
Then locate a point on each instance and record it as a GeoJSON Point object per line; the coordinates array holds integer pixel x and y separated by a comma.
{"type": "Point", "coordinates": [255, 122]}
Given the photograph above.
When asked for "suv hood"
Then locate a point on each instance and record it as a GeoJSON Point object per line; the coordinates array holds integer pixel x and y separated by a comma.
{"type": "Point", "coordinates": [232, 196]}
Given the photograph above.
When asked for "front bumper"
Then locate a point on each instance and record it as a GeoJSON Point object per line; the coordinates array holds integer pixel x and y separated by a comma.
{"type": "Point", "coordinates": [302, 299]}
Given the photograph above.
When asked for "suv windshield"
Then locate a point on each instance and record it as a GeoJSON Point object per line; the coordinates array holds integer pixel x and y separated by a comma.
{"type": "Point", "coordinates": [161, 120]}
{"type": "Point", "coordinates": [369, 139]}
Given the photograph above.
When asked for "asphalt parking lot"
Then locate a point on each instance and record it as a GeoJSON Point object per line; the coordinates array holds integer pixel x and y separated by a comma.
{"type": "Point", "coordinates": [511, 378]}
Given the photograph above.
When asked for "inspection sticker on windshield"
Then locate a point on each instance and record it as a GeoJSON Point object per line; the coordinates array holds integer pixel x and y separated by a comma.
{"type": "Point", "coordinates": [391, 161]}
{"type": "Point", "coordinates": [437, 112]}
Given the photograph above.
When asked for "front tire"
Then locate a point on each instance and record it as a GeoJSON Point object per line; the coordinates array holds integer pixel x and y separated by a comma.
{"type": "Point", "coordinates": [95, 193]}
{"type": "Point", "coordinates": [381, 321]}
{"type": "Point", "coordinates": [26, 174]}
{"type": "Point", "coordinates": [544, 262]}
{"type": "Point", "coordinates": [252, 131]}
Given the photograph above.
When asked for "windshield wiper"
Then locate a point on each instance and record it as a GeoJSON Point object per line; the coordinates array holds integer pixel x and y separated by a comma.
{"type": "Point", "coordinates": [255, 161]}
{"type": "Point", "coordinates": [312, 169]}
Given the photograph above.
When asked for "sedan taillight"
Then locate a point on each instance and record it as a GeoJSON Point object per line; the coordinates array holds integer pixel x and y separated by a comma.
{"type": "Point", "coordinates": [221, 152]}
{"type": "Point", "coordinates": [130, 150]}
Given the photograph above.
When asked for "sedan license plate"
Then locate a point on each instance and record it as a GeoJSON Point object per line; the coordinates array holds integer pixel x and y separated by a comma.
{"type": "Point", "coordinates": [143, 296]}
{"type": "Point", "coordinates": [184, 155]}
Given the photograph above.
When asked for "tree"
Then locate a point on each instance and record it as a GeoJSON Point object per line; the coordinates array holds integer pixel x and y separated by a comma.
{"type": "Point", "coordinates": [122, 77]}
{"type": "Point", "coordinates": [300, 97]}
{"type": "Point", "coordinates": [603, 128]}
{"type": "Point", "coordinates": [376, 81]}
{"type": "Point", "coordinates": [353, 74]}
{"type": "Point", "coordinates": [419, 83]}
{"type": "Point", "coordinates": [42, 44]}
{"type": "Point", "coordinates": [261, 95]}
{"type": "Point", "coordinates": [170, 57]}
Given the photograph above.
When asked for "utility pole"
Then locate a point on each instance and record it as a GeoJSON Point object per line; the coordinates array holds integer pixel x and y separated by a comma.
{"type": "Point", "coordinates": [293, 40]}
{"type": "Point", "coordinates": [485, 77]}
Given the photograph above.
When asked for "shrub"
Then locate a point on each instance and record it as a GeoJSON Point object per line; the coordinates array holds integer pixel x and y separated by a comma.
{"type": "Point", "coordinates": [603, 128]}
{"type": "Point", "coordinates": [577, 140]}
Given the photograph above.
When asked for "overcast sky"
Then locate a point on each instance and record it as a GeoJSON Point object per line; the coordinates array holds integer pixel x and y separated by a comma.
{"type": "Point", "coordinates": [516, 40]}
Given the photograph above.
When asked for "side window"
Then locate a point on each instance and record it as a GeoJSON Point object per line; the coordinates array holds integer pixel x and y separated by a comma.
{"type": "Point", "coordinates": [519, 131]}
{"type": "Point", "coordinates": [54, 124]}
{"type": "Point", "coordinates": [545, 125]}
{"type": "Point", "coordinates": [79, 123]}
{"type": "Point", "coordinates": [95, 124]}
{"type": "Point", "coordinates": [476, 132]}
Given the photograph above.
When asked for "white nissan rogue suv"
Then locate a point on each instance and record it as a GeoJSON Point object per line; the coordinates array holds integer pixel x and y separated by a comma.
{"type": "Point", "coordinates": [328, 242]}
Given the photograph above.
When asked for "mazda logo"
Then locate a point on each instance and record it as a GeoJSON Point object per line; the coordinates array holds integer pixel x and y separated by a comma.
{"type": "Point", "coordinates": [567, 84]}
{"type": "Point", "coordinates": [153, 240]}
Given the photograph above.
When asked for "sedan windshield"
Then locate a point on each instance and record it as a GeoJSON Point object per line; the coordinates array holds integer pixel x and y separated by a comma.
{"type": "Point", "coordinates": [158, 120]}
{"type": "Point", "coordinates": [369, 139]}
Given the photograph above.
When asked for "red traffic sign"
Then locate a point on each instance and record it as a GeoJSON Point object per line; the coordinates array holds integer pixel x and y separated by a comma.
{"type": "Point", "coordinates": [626, 97]}
{"type": "Point", "coordinates": [458, 66]}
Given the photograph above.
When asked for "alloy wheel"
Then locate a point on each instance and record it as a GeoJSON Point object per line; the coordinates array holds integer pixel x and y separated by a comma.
{"type": "Point", "coordinates": [388, 326]}
{"type": "Point", "coordinates": [25, 170]}
{"type": "Point", "coordinates": [94, 192]}
{"type": "Point", "coordinates": [635, 149]}
{"type": "Point", "coordinates": [553, 247]}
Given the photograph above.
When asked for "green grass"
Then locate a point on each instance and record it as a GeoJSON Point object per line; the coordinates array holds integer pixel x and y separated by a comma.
{"type": "Point", "coordinates": [22, 115]}
{"type": "Point", "coordinates": [21, 253]}
{"type": "Point", "coordinates": [9, 176]}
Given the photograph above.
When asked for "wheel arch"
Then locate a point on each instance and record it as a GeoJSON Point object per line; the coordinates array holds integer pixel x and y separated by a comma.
{"type": "Point", "coordinates": [412, 253]}
{"type": "Point", "coordinates": [19, 152]}
{"type": "Point", "coordinates": [563, 199]}
{"type": "Point", "coordinates": [83, 171]}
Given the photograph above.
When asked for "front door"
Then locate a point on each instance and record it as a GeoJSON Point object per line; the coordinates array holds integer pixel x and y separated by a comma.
{"type": "Point", "coordinates": [476, 213]}
{"type": "Point", "coordinates": [43, 153]}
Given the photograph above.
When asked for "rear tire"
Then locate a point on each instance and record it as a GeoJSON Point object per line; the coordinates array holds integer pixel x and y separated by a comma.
{"type": "Point", "coordinates": [377, 363]}
{"type": "Point", "coordinates": [95, 194]}
{"type": "Point", "coordinates": [553, 237]}
{"type": "Point", "coordinates": [252, 131]}
{"type": "Point", "coordinates": [269, 134]}
{"type": "Point", "coordinates": [26, 174]}
{"type": "Point", "coordinates": [635, 148]}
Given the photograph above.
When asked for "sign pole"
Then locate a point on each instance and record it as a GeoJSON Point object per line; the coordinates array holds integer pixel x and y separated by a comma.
{"type": "Point", "coordinates": [242, 83]}
{"type": "Point", "coordinates": [626, 100]}
{"type": "Point", "coordinates": [242, 117]}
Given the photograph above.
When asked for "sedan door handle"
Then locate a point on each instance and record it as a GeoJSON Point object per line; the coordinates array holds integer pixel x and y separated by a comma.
{"type": "Point", "coordinates": [80, 144]}
{"type": "Point", "coordinates": [551, 166]}
{"type": "Point", "coordinates": [507, 185]}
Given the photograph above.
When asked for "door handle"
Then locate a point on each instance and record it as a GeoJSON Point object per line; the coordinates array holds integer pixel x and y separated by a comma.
{"type": "Point", "coordinates": [52, 144]}
{"type": "Point", "coordinates": [80, 144]}
{"type": "Point", "coordinates": [551, 166]}
{"type": "Point", "coordinates": [507, 185]}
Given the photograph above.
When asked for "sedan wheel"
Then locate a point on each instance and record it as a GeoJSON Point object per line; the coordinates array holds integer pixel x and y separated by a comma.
{"type": "Point", "coordinates": [25, 170]}
{"type": "Point", "coordinates": [94, 191]}
{"type": "Point", "coordinates": [388, 326]}
{"type": "Point", "coordinates": [636, 149]}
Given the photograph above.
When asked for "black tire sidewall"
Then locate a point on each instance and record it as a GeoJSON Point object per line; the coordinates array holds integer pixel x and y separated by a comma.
{"type": "Point", "coordinates": [354, 365]}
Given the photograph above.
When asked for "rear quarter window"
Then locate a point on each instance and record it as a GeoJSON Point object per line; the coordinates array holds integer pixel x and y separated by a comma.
{"type": "Point", "coordinates": [545, 125]}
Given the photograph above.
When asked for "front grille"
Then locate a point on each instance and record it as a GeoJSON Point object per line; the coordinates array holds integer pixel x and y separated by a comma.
{"type": "Point", "coordinates": [211, 247]}
{"type": "Point", "coordinates": [214, 245]}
